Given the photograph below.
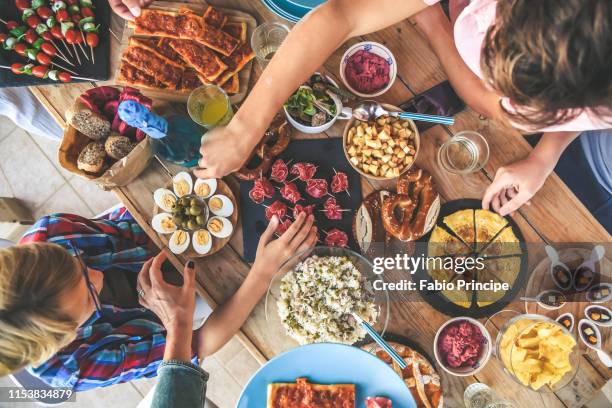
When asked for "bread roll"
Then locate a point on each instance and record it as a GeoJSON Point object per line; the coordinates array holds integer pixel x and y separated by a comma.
{"type": "Point", "coordinates": [117, 146]}
{"type": "Point", "coordinates": [91, 158]}
{"type": "Point", "coordinates": [89, 123]}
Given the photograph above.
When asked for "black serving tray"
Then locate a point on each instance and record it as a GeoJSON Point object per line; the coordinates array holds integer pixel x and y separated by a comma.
{"type": "Point", "coordinates": [98, 71]}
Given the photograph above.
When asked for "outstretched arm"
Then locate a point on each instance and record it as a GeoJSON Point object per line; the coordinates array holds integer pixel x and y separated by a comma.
{"type": "Point", "coordinates": [304, 50]}
{"type": "Point", "coordinates": [437, 29]}
{"type": "Point", "coordinates": [227, 318]}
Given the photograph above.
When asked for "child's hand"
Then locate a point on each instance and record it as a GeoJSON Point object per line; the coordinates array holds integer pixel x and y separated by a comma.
{"type": "Point", "coordinates": [128, 9]}
{"type": "Point", "coordinates": [271, 254]}
{"type": "Point", "coordinates": [514, 185]}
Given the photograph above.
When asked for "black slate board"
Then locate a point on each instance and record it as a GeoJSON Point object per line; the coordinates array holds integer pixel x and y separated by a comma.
{"type": "Point", "coordinates": [99, 70]}
{"type": "Point", "coordinates": [327, 154]}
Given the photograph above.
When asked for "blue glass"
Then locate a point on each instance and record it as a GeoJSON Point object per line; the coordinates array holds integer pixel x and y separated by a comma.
{"type": "Point", "coordinates": [181, 145]}
{"type": "Point", "coordinates": [175, 138]}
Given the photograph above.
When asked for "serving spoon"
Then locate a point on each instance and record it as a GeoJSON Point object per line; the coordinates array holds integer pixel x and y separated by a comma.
{"type": "Point", "coordinates": [596, 255]}
{"type": "Point", "coordinates": [370, 110]}
{"type": "Point", "coordinates": [603, 355]}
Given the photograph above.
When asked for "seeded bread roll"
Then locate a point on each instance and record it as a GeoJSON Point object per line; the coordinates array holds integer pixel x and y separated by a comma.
{"type": "Point", "coordinates": [89, 123]}
{"type": "Point", "coordinates": [91, 158]}
{"type": "Point", "coordinates": [117, 146]}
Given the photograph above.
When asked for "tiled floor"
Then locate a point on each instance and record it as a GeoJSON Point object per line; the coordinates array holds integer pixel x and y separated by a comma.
{"type": "Point", "coordinates": [29, 171]}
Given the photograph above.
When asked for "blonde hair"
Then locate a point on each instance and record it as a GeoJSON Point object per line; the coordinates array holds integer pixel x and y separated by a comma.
{"type": "Point", "coordinates": [33, 327]}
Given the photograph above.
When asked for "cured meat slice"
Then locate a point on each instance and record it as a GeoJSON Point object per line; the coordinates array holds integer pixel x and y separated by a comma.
{"type": "Point", "coordinates": [332, 210]}
{"type": "Point", "coordinates": [204, 61]}
{"type": "Point", "coordinates": [279, 171]}
{"type": "Point", "coordinates": [378, 402]}
{"type": "Point", "coordinates": [304, 171]}
{"type": "Point", "coordinates": [283, 226]}
{"type": "Point", "coordinates": [264, 185]}
{"type": "Point", "coordinates": [298, 209]}
{"type": "Point", "coordinates": [291, 193]}
{"type": "Point", "coordinates": [336, 237]}
{"type": "Point", "coordinates": [277, 208]}
{"type": "Point", "coordinates": [316, 188]}
{"type": "Point", "coordinates": [339, 182]}
{"type": "Point", "coordinates": [257, 195]}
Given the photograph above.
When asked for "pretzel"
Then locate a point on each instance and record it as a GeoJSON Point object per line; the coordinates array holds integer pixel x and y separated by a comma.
{"type": "Point", "coordinates": [245, 173]}
{"type": "Point", "coordinates": [266, 152]}
{"type": "Point", "coordinates": [415, 196]}
{"type": "Point", "coordinates": [283, 137]}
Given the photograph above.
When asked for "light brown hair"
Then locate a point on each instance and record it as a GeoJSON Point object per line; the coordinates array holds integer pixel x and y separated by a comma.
{"type": "Point", "coordinates": [33, 327]}
{"type": "Point", "coordinates": [552, 58]}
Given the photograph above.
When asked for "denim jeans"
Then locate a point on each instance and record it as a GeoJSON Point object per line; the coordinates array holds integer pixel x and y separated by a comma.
{"type": "Point", "coordinates": [180, 384]}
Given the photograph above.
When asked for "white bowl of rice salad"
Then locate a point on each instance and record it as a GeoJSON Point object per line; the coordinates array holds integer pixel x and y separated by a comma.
{"type": "Point", "coordinates": [312, 297]}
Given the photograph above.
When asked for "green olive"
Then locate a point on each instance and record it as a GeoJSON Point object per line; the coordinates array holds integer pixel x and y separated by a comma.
{"type": "Point", "coordinates": [184, 201]}
{"type": "Point", "coordinates": [192, 225]}
{"type": "Point", "coordinates": [194, 202]}
{"type": "Point", "coordinates": [184, 224]}
{"type": "Point", "coordinates": [201, 220]}
{"type": "Point", "coordinates": [195, 210]}
{"type": "Point", "coordinates": [187, 212]}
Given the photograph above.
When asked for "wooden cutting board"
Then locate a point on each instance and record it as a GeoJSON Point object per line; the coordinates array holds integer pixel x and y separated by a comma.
{"type": "Point", "coordinates": [177, 96]}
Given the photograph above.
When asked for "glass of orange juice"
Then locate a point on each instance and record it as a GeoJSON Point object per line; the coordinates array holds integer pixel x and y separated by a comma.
{"type": "Point", "coordinates": [209, 106]}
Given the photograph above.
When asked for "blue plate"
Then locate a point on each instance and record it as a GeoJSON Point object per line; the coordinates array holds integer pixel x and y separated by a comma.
{"type": "Point", "coordinates": [307, 3]}
{"type": "Point", "coordinates": [328, 363]}
{"type": "Point", "coordinates": [286, 10]}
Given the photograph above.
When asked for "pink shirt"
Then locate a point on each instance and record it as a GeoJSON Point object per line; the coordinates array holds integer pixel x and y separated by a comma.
{"type": "Point", "coordinates": [470, 30]}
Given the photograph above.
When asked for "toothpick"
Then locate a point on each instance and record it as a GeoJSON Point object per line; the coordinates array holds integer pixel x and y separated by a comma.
{"type": "Point", "coordinates": [85, 79]}
{"type": "Point", "coordinates": [77, 54]}
{"type": "Point", "coordinates": [64, 59]}
{"type": "Point", "coordinates": [67, 49]}
{"type": "Point", "coordinates": [59, 51]}
{"type": "Point", "coordinates": [83, 49]}
{"type": "Point", "coordinates": [93, 57]}
{"type": "Point", "coordinates": [64, 68]}
{"type": "Point", "coordinates": [113, 34]}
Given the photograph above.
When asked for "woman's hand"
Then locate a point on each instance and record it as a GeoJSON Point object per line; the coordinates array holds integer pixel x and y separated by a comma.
{"type": "Point", "coordinates": [515, 184]}
{"type": "Point", "coordinates": [174, 305]}
{"type": "Point", "coordinates": [272, 253]}
{"type": "Point", "coordinates": [128, 9]}
{"type": "Point", "coordinates": [222, 152]}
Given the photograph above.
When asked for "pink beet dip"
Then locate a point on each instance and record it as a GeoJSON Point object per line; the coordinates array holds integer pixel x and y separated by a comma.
{"type": "Point", "coordinates": [460, 344]}
{"type": "Point", "coordinates": [366, 72]}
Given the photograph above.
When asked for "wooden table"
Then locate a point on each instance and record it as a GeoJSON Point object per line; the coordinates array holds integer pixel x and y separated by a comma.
{"type": "Point", "coordinates": [554, 216]}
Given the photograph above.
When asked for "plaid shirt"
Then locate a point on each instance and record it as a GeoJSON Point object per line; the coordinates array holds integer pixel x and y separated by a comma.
{"type": "Point", "coordinates": [122, 344]}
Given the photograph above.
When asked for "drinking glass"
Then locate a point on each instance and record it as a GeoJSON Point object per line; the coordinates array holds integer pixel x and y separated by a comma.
{"type": "Point", "coordinates": [266, 39]}
{"type": "Point", "coordinates": [478, 395]}
{"type": "Point", "coordinates": [464, 153]}
{"type": "Point", "coordinates": [209, 106]}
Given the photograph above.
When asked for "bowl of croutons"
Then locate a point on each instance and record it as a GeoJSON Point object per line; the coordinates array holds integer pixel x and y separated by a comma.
{"type": "Point", "coordinates": [383, 148]}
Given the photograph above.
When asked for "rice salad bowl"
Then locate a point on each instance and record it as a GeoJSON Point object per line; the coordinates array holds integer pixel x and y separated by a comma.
{"type": "Point", "coordinates": [316, 292]}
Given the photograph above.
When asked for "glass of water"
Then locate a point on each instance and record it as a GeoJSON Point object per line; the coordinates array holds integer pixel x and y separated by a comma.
{"type": "Point", "coordinates": [479, 395]}
{"type": "Point", "coordinates": [266, 39]}
{"type": "Point", "coordinates": [464, 153]}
